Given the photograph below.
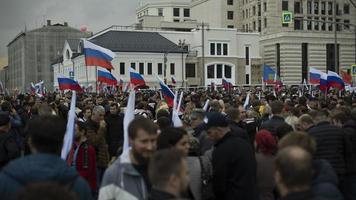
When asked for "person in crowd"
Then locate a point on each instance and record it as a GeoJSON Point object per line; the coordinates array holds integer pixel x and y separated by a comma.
{"type": "Point", "coordinates": [197, 123]}
{"type": "Point", "coordinates": [96, 135]}
{"type": "Point", "coordinates": [276, 119]}
{"type": "Point", "coordinates": [168, 172]}
{"type": "Point", "coordinates": [266, 147]}
{"type": "Point", "coordinates": [45, 191]}
{"type": "Point", "coordinates": [305, 122]}
{"type": "Point", "coordinates": [236, 124]}
{"type": "Point", "coordinates": [45, 164]}
{"type": "Point", "coordinates": [234, 166]}
{"type": "Point", "coordinates": [324, 181]}
{"type": "Point", "coordinates": [82, 156]}
{"type": "Point", "coordinates": [86, 114]}
{"type": "Point", "coordinates": [127, 177]}
{"type": "Point", "coordinates": [163, 123]}
{"type": "Point", "coordinates": [115, 130]}
{"type": "Point", "coordinates": [9, 149]}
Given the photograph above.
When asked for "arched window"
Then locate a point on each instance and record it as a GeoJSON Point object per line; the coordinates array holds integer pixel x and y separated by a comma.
{"type": "Point", "coordinates": [67, 54]}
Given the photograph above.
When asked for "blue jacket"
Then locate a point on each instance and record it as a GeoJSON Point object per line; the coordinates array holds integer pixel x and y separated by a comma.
{"type": "Point", "coordinates": [40, 168]}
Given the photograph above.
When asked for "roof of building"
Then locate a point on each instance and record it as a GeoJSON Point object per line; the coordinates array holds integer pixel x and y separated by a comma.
{"type": "Point", "coordinates": [73, 44]}
{"type": "Point", "coordinates": [136, 41]}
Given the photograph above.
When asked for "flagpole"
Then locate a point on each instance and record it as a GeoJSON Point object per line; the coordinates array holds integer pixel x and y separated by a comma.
{"type": "Point", "coordinates": [86, 73]}
{"type": "Point", "coordinates": [96, 79]}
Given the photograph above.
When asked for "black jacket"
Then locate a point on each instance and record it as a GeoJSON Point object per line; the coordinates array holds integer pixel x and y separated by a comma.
{"type": "Point", "coordinates": [234, 169]}
{"type": "Point", "coordinates": [241, 133]}
{"type": "Point", "coordinates": [115, 133]}
{"type": "Point", "coordinates": [330, 145]}
{"type": "Point", "coordinates": [307, 195]}
{"type": "Point", "coordinates": [9, 149]}
{"type": "Point", "coordinates": [273, 124]}
{"type": "Point", "coordinates": [349, 129]}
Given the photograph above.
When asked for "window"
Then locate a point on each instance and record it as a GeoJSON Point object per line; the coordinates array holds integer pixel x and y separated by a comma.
{"type": "Point", "coordinates": [219, 69]}
{"type": "Point", "coordinates": [212, 49]}
{"type": "Point", "coordinates": [330, 56]}
{"type": "Point", "coordinates": [247, 79]}
{"type": "Point", "coordinates": [230, 2]}
{"type": "Point", "coordinates": [230, 26]}
{"type": "Point", "coordinates": [323, 26]}
{"type": "Point", "coordinates": [346, 9]}
{"type": "Point", "coordinates": [254, 10]}
{"type": "Point", "coordinates": [298, 24]}
{"type": "Point", "coordinates": [265, 22]}
{"type": "Point", "coordinates": [338, 26]}
{"type": "Point", "coordinates": [176, 20]}
{"type": "Point", "coordinates": [330, 8]}
{"type": "Point", "coordinates": [230, 14]}
{"type": "Point", "coordinates": [186, 12]}
{"type": "Point", "coordinates": [265, 6]}
{"type": "Point", "coordinates": [304, 61]}
{"type": "Point", "coordinates": [330, 24]}
{"type": "Point", "coordinates": [247, 55]}
{"type": "Point", "coordinates": [149, 68]}
{"type": "Point", "coordinates": [338, 12]}
{"type": "Point", "coordinates": [259, 10]}
{"type": "Point", "coordinates": [309, 7]}
{"type": "Point", "coordinates": [316, 24]}
{"type": "Point", "coordinates": [346, 25]}
{"type": "Point", "coordinates": [254, 26]}
{"type": "Point", "coordinates": [316, 8]}
{"type": "Point", "coordinates": [141, 68]}
{"type": "Point", "coordinates": [225, 49]}
{"type": "Point", "coordinates": [243, 14]}
{"type": "Point", "coordinates": [285, 25]}
{"type": "Point", "coordinates": [172, 69]}
{"type": "Point", "coordinates": [211, 71]}
{"type": "Point", "coordinates": [323, 7]}
{"type": "Point", "coordinates": [218, 49]}
{"type": "Point", "coordinates": [159, 68]}
{"type": "Point", "coordinates": [160, 11]}
{"type": "Point", "coordinates": [176, 12]}
{"type": "Point", "coordinates": [190, 70]}
{"type": "Point", "coordinates": [297, 7]}
{"type": "Point", "coordinates": [133, 65]}
{"type": "Point", "coordinates": [122, 68]}
{"type": "Point", "coordinates": [309, 24]}
{"type": "Point", "coordinates": [259, 25]}
{"type": "Point", "coordinates": [227, 71]}
{"type": "Point", "coordinates": [284, 5]}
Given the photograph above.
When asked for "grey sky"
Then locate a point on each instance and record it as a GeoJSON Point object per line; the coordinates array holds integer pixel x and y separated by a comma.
{"type": "Point", "coordinates": [95, 14]}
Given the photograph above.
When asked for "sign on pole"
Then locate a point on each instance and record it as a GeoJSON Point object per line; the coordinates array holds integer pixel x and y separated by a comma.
{"type": "Point", "coordinates": [287, 17]}
{"type": "Point", "coordinates": [353, 70]}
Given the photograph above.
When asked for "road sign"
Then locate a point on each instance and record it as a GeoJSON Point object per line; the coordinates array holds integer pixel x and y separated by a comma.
{"type": "Point", "coordinates": [287, 17]}
{"type": "Point", "coordinates": [353, 70]}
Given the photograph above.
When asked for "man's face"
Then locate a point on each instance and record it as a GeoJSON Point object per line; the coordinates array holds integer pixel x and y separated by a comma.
{"type": "Point", "coordinates": [87, 113]}
{"type": "Point", "coordinates": [113, 110]}
{"type": "Point", "coordinates": [213, 134]}
{"type": "Point", "coordinates": [143, 145]}
{"type": "Point", "coordinates": [243, 114]}
{"type": "Point", "coordinates": [90, 104]}
{"type": "Point", "coordinates": [99, 101]}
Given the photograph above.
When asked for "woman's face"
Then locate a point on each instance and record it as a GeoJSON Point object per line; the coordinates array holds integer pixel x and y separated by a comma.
{"type": "Point", "coordinates": [183, 144]}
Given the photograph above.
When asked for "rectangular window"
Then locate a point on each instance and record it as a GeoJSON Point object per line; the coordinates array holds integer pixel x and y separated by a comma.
{"type": "Point", "coordinates": [346, 25]}
{"type": "Point", "coordinates": [330, 8]}
{"type": "Point", "coordinates": [309, 7]}
{"type": "Point", "coordinates": [323, 26]}
{"type": "Point", "coordinates": [160, 11]}
{"type": "Point", "coordinates": [259, 10]}
{"type": "Point", "coordinates": [316, 24]}
{"type": "Point", "coordinates": [338, 26]}
{"type": "Point", "coordinates": [176, 20]}
{"type": "Point", "coordinates": [176, 12]}
{"type": "Point", "coordinates": [297, 7]}
{"type": "Point", "coordinates": [285, 5]}
{"type": "Point", "coordinates": [225, 49]}
{"type": "Point", "coordinates": [219, 72]}
{"type": "Point", "coordinates": [230, 14]}
{"type": "Point", "coordinates": [338, 11]}
{"type": "Point", "coordinates": [190, 70]}
{"type": "Point", "coordinates": [316, 8]}
{"type": "Point", "coordinates": [254, 26]}
{"type": "Point", "coordinates": [247, 55]}
{"type": "Point", "coordinates": [330, 56]}
{"type": "Point", "coordinates": [309, 24]}
{"type": "Point", "coordinates": [141, 68]}
{"type": "Point", "coordinates": [172, 69]}
{"type": "Point", "coordinates": [212, 49]}
{"type": "Point", "coordinates": [230, 26]}
{"type": "Point", "coordinates": [278, 59]}
{"type": "Point", "coordinates": [159, 68]}
{"type": "Point", "coordinates": [323, 7]}
{"type": "Point", "coordinates": [133, 65]}
{"type": "Point", "coordinates": [149, 68]}
{"type": "Point", "coordinates": [346, 9]}
{"type": "Point", "coordinates": [304, 61]}
{"type": "Point", "coordinates": [254, 10]}
{"type": "Point", "coordinates": [186, 12]}
{"type": "Point", "coordinates": [227, 71]}
{"type": "Point", "coordinates": [243, 14]}
{"type": "Point", "coordinates": [218, 49]}
{"type": "Point", "coordinates": [298, 24]}
{"type": "Point", "coordinates": [265, 6]}
{"type": "Point", "coordinates": [122, 68]}
{"type": "Point", "coordinates": [211, 71]}
{"type": "Point", "coordinates": [247, 79]}
{"type": "Point", "coordinates": [265, 22]}
{"type": "Point", "coordinates": [330, 24]}
{"type": "Point", "coordinates": [259, 25]}
{"type": "Point", "coordinates": [230, 2]}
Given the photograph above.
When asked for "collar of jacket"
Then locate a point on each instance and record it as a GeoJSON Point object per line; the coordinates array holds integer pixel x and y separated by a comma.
{"type": "Point", "coordinates": [126, 163]}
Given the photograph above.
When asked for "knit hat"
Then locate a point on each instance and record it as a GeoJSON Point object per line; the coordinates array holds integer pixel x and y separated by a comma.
{"type": "Point", "coordinates": [266, 142]}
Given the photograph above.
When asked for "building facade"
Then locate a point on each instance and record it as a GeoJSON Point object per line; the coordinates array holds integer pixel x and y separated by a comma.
{"type": "Point", "coordinates": [31, 53]}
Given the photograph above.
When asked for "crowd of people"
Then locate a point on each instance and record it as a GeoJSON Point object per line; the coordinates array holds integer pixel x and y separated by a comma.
{"type": "Point", "coordinates": [286, 146]}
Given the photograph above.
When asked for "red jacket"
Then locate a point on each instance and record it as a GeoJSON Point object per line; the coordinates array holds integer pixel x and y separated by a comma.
{"type": "Point", "coordinates": [85, 162]}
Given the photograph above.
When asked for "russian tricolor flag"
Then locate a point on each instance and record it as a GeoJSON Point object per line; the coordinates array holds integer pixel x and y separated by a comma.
{"type": "Point", "coordinates": [167, 93]}
{"type": "Point", "coordinates": [65, 83]}
{"type": "Point", "coordinates": [105, 76]}
{"type": "Point", "coordinates": [226, 84]}
{"type": "Point", "coordinates": [97, 56]}
{"type": "Point", "coordinates": [136, 78]}
{"type": "Point", "coordinates": [314, 76]}
{"type": "Point", "coordinates": [323, 82]}
{"type": "Point", "coordinates": [334, 80]}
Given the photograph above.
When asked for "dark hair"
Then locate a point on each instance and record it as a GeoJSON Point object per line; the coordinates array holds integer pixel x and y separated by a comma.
{"type": "Point", "coordinates": [233, 113]}
{"type": "Point", "coordinates": [163, 122]}
{"type": "Point", "coordinates": [114, 105]}
{"type": "Point", "coordinates": [46, 190]}
{"type": "Point", "coordinates": [294, 164]}
{"type": "Point", "coordinates": [141, 123]}
{"type": "Point", "coordinates": [277, 107]}
{"type": "Point", "coordinates": [163, 164]}
{"type": "Point", "coordinates": [47, 133]}
{"type": "Point", "coordinates": [82, 127]}
{"type": "Point", "coordinates": [170, 137]}
{"type": "Point", "coordinates": [283, 130]}
{"type": "Point", "coordinates": [162, 113]}
{"type": "Point", "coordinates": [6, 106]}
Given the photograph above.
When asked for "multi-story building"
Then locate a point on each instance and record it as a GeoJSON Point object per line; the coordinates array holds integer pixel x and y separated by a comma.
{"type": "Point", "coordinates": [31, 53]}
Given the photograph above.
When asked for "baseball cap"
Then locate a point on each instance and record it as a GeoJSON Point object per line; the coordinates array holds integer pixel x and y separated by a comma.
{"type": "Point", "coordinates": [215, 119]}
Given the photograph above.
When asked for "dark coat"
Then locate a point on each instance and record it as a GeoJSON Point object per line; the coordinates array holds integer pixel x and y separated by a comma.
{"type": "Point", "coordinates": [241, 133]}
{"type": "Point", "coordinates": [9, 149]}
{"type": "Point", "coordinates": [40, 168]}
{"type": "Point", "coordinates": [307, 195]}
{"type": "Point", "coordinates": [265, 176]}
{"type": "Point", "coordinates": [325, 181]}
{"type": "Point", "coordinates": [234, 169]}
{"type": "Point", "coordinates": [330, 145]}
{"type": "Point", "coordinates": [201, 134]}
{"type": "Point", "coordinates": [273, 124]}
{"type": "Point", "coordinates": [115, 133]}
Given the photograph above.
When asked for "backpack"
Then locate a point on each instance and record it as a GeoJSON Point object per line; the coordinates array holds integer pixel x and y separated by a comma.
{"type": "Point", "coordinates": [207, 192]}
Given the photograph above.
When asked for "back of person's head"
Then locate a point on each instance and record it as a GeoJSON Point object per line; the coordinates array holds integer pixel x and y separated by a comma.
{"type": "Point", "coordinates": [46, 191]}
{"type": "Point", "coordinates": [169, 137]}
{"type": "Point", "coordinates": [321, 116]}
{"type": "Point", "coordinates": [141, 123]}
{"type": "Point", "coordinates": [215, 106]}
{"type": "Point", "coordinates": [162, 113]}
{"type": "Point", "coordinates": [46, 134]}
{"type": "Point", "coordinates": [163, 165]}
{"type": "Point", "coordinates": [306, 119]}
{"type": "Point", "coordinates": [266, 143]}
{"type": "Point", "coordinates": [44, 109]}
{"type": "Point", "coordinates": [82, 126]}
{"type": "Point", "coordinates": [233, 114]}
{"type": "Point", "coordinates": [294, 168]}
{"type": "Point", "coordinates": [277, 107]}
{"type": "Point", "coordinates": [283, 130]}
{"type": "Point", "coordinates": [340, 116]}
{"type": "Point", "coordinates": [164, 122]}
{"type": "Point", "coordinates": [302, 101]}
{"type": "Point", "coordinates": [292, 121]}
{"type": "Point", "coordinates": [300, 139]}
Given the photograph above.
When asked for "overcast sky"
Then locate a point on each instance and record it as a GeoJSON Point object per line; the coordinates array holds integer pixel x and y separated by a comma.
{"type": "Point", "coordinates": [95, 14]}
